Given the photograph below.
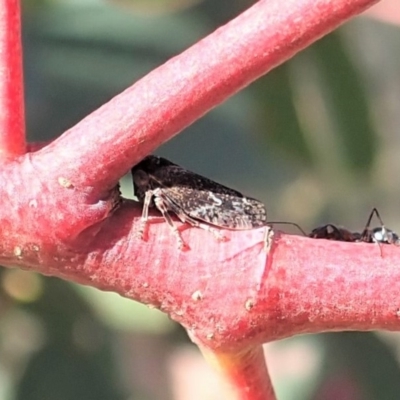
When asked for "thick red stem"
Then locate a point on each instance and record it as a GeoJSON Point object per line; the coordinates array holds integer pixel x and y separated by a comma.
{"type": "Point", "coordinates": [231, 294]}
{"type": "Point", "coordinates": [102, 147]}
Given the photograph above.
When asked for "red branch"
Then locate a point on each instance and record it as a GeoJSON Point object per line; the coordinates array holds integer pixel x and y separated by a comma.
{"type": "Point", "coordinates": [230, 294]}
{"type": "Point", "coordinates": [12, 122]}
{"type": "Point", "coordinates": [246, 373]}
{"type": "Point", "coordinates": [57, 213]}
{"type": "Point", "coordinates": [55, 206]}
{"type": "Point", "coordinates": [102, 147]}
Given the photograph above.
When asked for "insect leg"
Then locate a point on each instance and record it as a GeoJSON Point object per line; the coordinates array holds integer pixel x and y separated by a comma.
{"type": "Point", "coordinates": [367, 234]}
{"type": "Point", "coordinates": [161, 204]}
{"type": "Point", "coordinates": [386, 235]}
{"type": "Point", "coordinates": [191, 221]}
{"type": "Point", "coordinates": [185, 218]}
{"type": "Point", "coordinates": [145, 214]}
{"type": "Point", "coordinates": [268, 236]}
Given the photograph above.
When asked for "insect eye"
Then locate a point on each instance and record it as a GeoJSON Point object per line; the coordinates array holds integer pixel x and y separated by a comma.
{"type": "Point", "coordinates": [140, 177]}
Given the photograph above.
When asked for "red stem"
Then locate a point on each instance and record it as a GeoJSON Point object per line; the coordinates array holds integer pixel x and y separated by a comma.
{"type": "Point", "coordinates": [170, 98]}
{"type": "Point", "coordinates": [12, 123]}
{"type": "Point", "coordinates": [245, 372]}
{"type": "Point", "coordinates": [57, 210]}
{"type": "Point", "coordinates": [230, 295]}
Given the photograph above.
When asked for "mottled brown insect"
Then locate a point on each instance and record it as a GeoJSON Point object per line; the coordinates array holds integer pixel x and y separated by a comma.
{"type": "Point", "coordinates": [195, 199]}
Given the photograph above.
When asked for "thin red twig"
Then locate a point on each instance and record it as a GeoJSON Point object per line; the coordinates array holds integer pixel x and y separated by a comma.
{"type": "Point", "coordinates": [12, 120]}
{"type": "Point", "coordinates": [244, 372]}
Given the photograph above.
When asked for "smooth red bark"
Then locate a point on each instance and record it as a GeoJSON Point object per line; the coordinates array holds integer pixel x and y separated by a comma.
{"type": "Point", "coordinates": [241, 297]}
{"type": "Point", "coordinates": [12, 122]}
{"type": "Point", "coordinates": [245, 373]}
{"type": "Point", "coordinates": [57, 205]}
{"type": "Point", "coordinates": [386, 11]}
{"type": "Point", "coordinates": [101, 148]}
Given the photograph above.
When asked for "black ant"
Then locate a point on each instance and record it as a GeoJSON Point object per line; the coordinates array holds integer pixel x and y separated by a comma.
{"type": "Point", "coordinates": [380, 235]}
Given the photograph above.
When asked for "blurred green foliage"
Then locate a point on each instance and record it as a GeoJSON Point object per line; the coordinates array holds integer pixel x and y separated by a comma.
{"type": "Point", "coordinates": [316, 139]}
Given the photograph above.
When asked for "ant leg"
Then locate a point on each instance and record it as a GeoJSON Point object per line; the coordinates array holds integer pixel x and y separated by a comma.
{"type": "Point", "coordinates": [367, 234]}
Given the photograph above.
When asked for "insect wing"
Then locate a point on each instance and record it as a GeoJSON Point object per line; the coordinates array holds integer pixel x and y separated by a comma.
{"type": "Point", "coordinates": [175, 176]}
{"type": "Point", "coordinates": [201, 199]}
{"type": "Point", "coordinates": [228, 211]}
{"type": "Point", "coordinates": [208, 201]}
{"type": "Point", "coordinates": [222, 210]}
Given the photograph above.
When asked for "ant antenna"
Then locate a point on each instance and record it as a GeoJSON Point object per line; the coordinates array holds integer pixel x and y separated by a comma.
{"type": "Point", "coordinates": [287, 223]}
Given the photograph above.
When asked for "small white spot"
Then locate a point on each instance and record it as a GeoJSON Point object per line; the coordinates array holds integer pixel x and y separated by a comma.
{"type": "Point", "coordinates": [213, 197]}
{"type": "Point", "coordinates": [145, 285]}
{"type": "Point", "coordinates": [64, 182]}
{"type": "Point", "coordinates": [35, 247]}
{"type": "Point", "coordinates": [380, 235]}
{"type": "Point", "coordinates": [249, 304]}
{"type": "Point", "coordinates": [210, 336]}
{"type": "Point", "coordinates": [197, 295]}
{"type": "Point", "coordinates": [17, 251]}
{"type": "Point", "coordinates": [33, 203]}
{"type": "Point", "coordinates": [237, 206]}
{"type": "Point", "coordinates": [329, 229]}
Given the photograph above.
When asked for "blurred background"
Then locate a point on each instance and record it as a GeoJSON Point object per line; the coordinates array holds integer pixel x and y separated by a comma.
{"type": "Point", "coordinates": [317, 140]}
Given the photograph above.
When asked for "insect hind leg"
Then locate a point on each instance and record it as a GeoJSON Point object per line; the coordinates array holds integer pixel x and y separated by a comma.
{"type": "Point", "coordinates": [185, 218]}
{"type": "Point", "coordinates": [145, 214]}
{"type": "Point", "coordinates": [162, 205]}
{"type": "Point", "coordinates": [159, 202]}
